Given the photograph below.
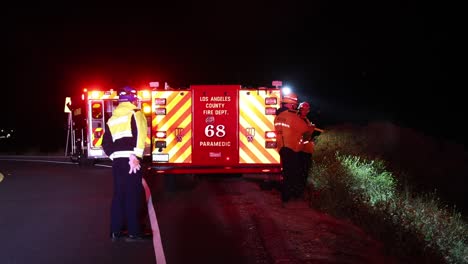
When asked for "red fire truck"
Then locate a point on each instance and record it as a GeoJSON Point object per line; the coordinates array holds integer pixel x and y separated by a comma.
{"type": "Point", "coordinates": [222, 129]}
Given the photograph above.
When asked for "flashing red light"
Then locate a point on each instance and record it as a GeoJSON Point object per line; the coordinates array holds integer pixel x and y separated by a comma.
{"type": "Point", "coordinates": [146, 108]}
{"type": "Point", "coordinates": [145, 94]}
{"type": "Point", "coordinates": [94, 95]}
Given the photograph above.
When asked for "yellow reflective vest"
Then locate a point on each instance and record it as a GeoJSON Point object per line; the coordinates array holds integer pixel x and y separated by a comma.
{"type": "Point", "coordinates": [290, 131]}
{"type": "Point", "coordinates": [120, 127]}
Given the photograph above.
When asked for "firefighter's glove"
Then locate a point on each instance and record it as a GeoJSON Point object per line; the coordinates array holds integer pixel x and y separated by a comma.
{"type": "Point", "coordinates": [134, 163]}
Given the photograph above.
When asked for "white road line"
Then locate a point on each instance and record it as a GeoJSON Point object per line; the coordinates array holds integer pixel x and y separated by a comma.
{"type": "Point", "coordinates": [102, 165]}
{"type": "Point", "coordinates": [45, 161]}
{"type": "Point", "coordinates": [157, 244]}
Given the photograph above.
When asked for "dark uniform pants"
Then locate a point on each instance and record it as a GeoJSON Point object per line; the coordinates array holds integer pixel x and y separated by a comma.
{"type": "Point", "coordinates": [306, 164]}
{"type": "Point", "coordinates": [293, 179]}
{"type": "Point", "coordinates": [127, 197]}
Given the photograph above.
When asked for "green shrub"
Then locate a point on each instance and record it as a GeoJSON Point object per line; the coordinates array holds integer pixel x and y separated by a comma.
{"type": "Point", "coordinates": [351, 175]}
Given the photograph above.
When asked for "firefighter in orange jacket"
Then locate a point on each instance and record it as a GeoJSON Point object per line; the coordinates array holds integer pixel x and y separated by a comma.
{"type": "Point", "coordinates": [290, 130]}
{"type": "Point", "coordinates": [124, 142]}
{"type": "Point", "coordinates": [306, 153]}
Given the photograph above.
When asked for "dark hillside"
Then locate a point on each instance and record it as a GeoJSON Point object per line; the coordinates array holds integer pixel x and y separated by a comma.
{"type": "Point", "coordinates": [422, 163]}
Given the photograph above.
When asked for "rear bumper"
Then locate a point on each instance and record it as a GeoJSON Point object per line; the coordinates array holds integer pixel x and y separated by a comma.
{"type": "Point", "coordinates": [192, 169]}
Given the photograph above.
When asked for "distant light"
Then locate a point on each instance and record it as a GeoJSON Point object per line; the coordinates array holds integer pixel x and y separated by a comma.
{"type": "Point", "coordinates": [286, 90]}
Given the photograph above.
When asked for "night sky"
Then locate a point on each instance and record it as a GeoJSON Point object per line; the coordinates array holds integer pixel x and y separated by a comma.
{"type": "Point", "coordinates": [353, 62]}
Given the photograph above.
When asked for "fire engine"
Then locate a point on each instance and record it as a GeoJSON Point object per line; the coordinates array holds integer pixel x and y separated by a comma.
{"type": "Point", "coordinates": [202, 129]}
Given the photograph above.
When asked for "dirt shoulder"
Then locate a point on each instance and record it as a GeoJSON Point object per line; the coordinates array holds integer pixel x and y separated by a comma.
{"type": "Point", "coordinates": [298, 233]}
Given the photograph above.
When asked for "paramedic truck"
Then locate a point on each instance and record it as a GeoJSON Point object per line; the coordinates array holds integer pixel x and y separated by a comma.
{"type": "Point", "coordinates": [203, 129]}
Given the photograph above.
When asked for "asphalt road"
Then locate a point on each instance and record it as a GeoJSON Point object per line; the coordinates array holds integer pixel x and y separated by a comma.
{"type": "Point", "coordinates": [54, 211]}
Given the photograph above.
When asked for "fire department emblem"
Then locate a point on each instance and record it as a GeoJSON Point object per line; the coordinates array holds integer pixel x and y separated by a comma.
{"type": "Point", "coordinates": [209, 119]}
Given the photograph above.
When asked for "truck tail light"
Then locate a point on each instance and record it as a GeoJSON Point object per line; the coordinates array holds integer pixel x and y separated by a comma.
{"type": "Point", "coordinates": [270, 134]}
{"type": "Point", "coordinates": [160, 111]}
{"type": "Point", "coordinates": [270, 111]}
{"type": "Point", "coordinates": [146, 108]}
{"type": "Point", "coordinates": [271, 101]}
{"type": "Point", "coordinates": [161, 134]}
{"type": "Point", "coordinates": [160, 101]}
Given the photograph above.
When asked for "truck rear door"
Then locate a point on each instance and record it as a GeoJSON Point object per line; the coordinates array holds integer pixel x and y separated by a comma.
{"type": "Point", "coordinates": [215, 125]}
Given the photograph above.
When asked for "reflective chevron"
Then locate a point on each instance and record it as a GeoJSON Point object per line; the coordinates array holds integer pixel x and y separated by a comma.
{"type": "Point", "coordinates": [176, 122]}
{"type": "Point", "coordinates": [253, 125]}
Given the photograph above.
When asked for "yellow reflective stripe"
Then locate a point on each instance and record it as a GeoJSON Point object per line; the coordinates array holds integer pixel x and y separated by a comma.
{"type": "Point", "coordinates": [121, 154]}
{"type": "Point", "coordinates": [117, 120]}
{"type": "Point", "coordinates": [121, 134]}
{"type": "Point", "coordinates": [138, 152]}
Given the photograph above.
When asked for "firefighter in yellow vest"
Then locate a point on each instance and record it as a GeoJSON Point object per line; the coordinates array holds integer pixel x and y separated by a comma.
{"type": "Point", "coordinates": [290, 130]}
{"type": "Point", "coordinates": [306, 154]}
{"type": "Point", "coordinates": [124, 142]}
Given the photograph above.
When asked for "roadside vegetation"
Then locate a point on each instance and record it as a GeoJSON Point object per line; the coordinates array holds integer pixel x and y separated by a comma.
{"type": "Point", "coordinates": [403, 188]}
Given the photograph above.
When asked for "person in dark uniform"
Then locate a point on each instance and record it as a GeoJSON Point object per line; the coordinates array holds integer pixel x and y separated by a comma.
{"type": "Point", "coordinates": [308, 149]}
{"type": "Point", "coordinates": [290, 129]}
{"type": "Point", "coordinates": [124, 142]}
